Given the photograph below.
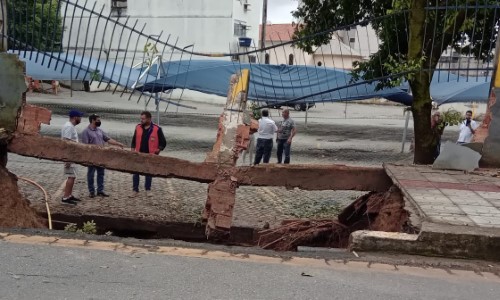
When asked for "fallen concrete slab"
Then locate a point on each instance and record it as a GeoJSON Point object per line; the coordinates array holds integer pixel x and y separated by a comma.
{"type": "Point", "coordinates": [457, 157]}
{"type": "Point", "coordinates": [306, 177]}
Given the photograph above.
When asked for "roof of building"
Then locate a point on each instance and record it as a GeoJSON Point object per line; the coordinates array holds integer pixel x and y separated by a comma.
{"type": "Point", "coordinates": [278, 32]}
{"type": "Point", "coordinates": [284, 32]}
{"type": "Point", "coordinates": [337, 47]}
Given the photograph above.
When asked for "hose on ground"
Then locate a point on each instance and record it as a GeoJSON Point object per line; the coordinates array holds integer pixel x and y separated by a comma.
{"type": "Point", "coordinates": [44, 194]}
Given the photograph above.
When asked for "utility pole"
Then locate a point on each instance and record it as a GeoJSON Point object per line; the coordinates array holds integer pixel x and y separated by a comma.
{"type": "Point", "coordinates": [263, 29]}
{"type": "Point", "coordinates": [3, 25]}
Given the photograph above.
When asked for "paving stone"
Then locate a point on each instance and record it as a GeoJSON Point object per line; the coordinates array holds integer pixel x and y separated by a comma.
{"type": "Point", "coordinates": [469, 201]}
{"type": "Point", "coordinates": [452, 220]}
{"type": "Point", "coordinates": [435, 210]}
{"type": "Point", "coordinates": [486, 221]}
{"type": "Point", "coordinates": [472, 210]}
{"type": "Point", "coordinates": [489, 195]}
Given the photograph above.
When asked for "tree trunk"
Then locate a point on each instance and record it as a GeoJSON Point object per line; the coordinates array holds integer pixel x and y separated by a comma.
{"type": "Point", "coordinates": [425, 142]}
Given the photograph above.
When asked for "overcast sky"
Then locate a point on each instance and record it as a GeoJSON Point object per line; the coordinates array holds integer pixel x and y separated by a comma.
{"type": "Point", "coordinates": [278, 11]}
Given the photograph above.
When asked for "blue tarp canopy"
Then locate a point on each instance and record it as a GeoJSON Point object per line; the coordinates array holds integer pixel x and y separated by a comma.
{"type": "Point", "coordinates": [65, 66]}
{"type": "Point", "coordinates": [268, 83]}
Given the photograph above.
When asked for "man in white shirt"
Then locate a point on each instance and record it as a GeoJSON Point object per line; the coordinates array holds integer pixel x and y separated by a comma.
{"type": "Point", "coordinates": [69, 133]}
{"type": "Point", "coordinates": [467, 129]}
{"type": "Point", "coordinates": [266, 131]}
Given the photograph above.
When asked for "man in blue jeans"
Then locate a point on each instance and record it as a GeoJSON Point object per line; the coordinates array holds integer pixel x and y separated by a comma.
{"type": "Point", "coordinates": [148, 138]}
{"type": "Point", "coordinates": [266, 131]}
{"type": "Point", "coordinates": [94, 135]}
{"type": "Point", "coordinates": [286, 132]}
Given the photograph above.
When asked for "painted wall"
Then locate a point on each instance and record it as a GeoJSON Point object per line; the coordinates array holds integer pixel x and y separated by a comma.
{"type": "Point", "coordinates": [206, 24]}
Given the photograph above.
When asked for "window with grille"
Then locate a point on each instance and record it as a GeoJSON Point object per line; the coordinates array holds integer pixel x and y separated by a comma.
{"type": "Point", "coordinates": [118, 8]}
{"type": "Point", "coordinates": [240, 28]}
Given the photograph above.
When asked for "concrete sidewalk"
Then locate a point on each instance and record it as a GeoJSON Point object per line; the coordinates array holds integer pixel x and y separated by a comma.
{"type": "Point", "coordinates": [458, 214]}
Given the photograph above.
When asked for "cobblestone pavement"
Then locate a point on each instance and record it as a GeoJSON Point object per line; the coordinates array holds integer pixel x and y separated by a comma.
{"type": "Point", "coordinates": [451, 197]}
{"type": "Point", "coordinates": [173, 200]}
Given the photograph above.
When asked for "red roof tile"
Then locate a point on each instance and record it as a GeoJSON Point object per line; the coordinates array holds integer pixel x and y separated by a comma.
{"type": "Point", "coordinates": [277, 32]}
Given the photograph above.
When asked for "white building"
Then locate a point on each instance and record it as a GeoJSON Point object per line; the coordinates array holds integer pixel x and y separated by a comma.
{"type": "Point", "coordinates": [209, 25]}
{"type": "Point", "coordinates": [336, 54]}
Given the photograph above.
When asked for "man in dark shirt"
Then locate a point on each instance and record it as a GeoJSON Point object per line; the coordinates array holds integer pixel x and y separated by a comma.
{"type": "Point", "coordinates": [94, 135]}
{"type": "Point", "coordinates": [148, 138]}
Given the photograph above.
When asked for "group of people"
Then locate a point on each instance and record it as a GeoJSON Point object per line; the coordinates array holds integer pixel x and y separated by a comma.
{"type": "Point", "coordinates": [285, 132]}
{"type": "Point", "coordinates": [148, 138]}
{"type": "Point", "coordinates": [467, 130]}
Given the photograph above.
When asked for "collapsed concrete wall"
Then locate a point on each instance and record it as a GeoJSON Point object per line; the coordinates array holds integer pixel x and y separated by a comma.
{"type": "Point", "coordinates": [491, 146]}
{"type": "Point", "coordinates": [14, 209]}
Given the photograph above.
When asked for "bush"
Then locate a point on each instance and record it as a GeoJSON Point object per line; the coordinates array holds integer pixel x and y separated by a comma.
{"type": "Point", "coordinates": [88, 227]}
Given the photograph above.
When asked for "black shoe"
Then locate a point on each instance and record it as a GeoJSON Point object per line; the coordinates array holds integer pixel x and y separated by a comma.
{"type": "Point", "coordinates": [92, 195]}
{"type": "Point", "coordinates": [74, 198]}
{"type": "Point", "coordinates": [102, 194]}
{"type": "Point", "coordinates": [68, 201]}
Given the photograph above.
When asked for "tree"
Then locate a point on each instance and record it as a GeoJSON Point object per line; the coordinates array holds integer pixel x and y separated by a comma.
{"type": "Point", "coordinates": [34, 24]}
{"type": "Point", "coordinates": [413, 35]}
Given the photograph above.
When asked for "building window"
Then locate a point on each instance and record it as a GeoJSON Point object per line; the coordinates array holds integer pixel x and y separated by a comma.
{"type": "Point", "coordinates": [267, 59]}
{"type": "Point", "coordinates": [320, 64]}
{"type": "Point", "coordinates": [290, 59]}
{"type": "Point", "coordinates": [252, 59]}
{"type": "Point", "coordinates": [240, 28]}
{"type": "Point", "coordinates": [118, 8]}
{"type": "Point", "coordinates": [352, 40]}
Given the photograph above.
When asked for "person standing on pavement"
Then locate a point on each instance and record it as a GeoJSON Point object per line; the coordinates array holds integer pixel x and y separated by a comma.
{"type": "Point", "coordinates": [148, 138]}
{"type": "Point", "coordinates": [94, 135]}
{"type": "Point", "coordinates": [286, 132]}
{"type": "Point", "coordinates": [467, 129]}
{"type": "Point", "coordinates": [266, 131]}
{"type": "Point", "coordinates": [69, 133]}
{"type": "Point", "coordinates": [437, 126]}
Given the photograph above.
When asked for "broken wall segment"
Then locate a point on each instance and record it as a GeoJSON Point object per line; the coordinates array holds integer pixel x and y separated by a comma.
{"type": "Point", "coordinates": [491, 146]}
{"type": "Point", "coordinates": [12, 87]}
{"type": "Point", "coordinates": [306, 177]}
{"type": "Point", "coordinates": [232, 137]}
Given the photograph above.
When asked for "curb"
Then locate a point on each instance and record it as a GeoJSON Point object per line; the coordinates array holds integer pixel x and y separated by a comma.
{"type": "Point", "coordinates": [433, 240]}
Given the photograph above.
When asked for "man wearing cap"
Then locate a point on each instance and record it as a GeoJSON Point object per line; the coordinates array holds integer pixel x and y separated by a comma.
{"type": "Point", "coordinates": [69, 133]}
{"type": "Point", "coordinates": [148, 138]}
{"type": "Point", "coordinates": [94, 135]}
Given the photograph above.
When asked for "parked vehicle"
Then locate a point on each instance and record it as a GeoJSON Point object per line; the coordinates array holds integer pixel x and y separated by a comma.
{"type": "Point", "coordinates": [296, 106]}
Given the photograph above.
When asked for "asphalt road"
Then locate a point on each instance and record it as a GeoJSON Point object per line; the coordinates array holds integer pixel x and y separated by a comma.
{"type": "Point", "coordinates": [52, 272]}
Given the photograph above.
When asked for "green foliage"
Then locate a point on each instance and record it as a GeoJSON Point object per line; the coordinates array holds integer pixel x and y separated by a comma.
{"type": "Point", "coordinates": [95, 75]}
{"type": "Point", "coordinates": [38, 24]}
{"type": "Point", "coordinates": [451, 117]}
{"type": "Point", "coordinates": [318, 20]}
{"type": "Point", "coordinates": [150, 50]}
{"type": "Point", "coordinates": [88, 227]}
{"type": "Point", "coordinates": [71, 227]}
{"type": "Point", "coordinates": [255, 111]}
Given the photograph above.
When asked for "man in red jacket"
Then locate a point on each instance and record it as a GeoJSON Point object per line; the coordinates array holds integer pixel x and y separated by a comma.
{"type": "Point", "coordinates": [148, 138]}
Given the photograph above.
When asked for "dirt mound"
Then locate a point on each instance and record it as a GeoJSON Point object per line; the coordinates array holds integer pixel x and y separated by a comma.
{"type": "Point", "coordinates": [382, 211]}
{"type": "Point", "coordinates": [15, 211]}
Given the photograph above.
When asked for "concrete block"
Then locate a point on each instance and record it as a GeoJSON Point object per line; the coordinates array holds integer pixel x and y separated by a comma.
{"type": "Point", "coordinates": [433, 240]}
{"type": "Point", "coordinates": [457, 157]}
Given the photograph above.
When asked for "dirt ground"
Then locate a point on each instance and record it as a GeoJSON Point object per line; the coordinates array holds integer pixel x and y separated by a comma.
{"type": "Point", "coordinates": [15, 211]}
